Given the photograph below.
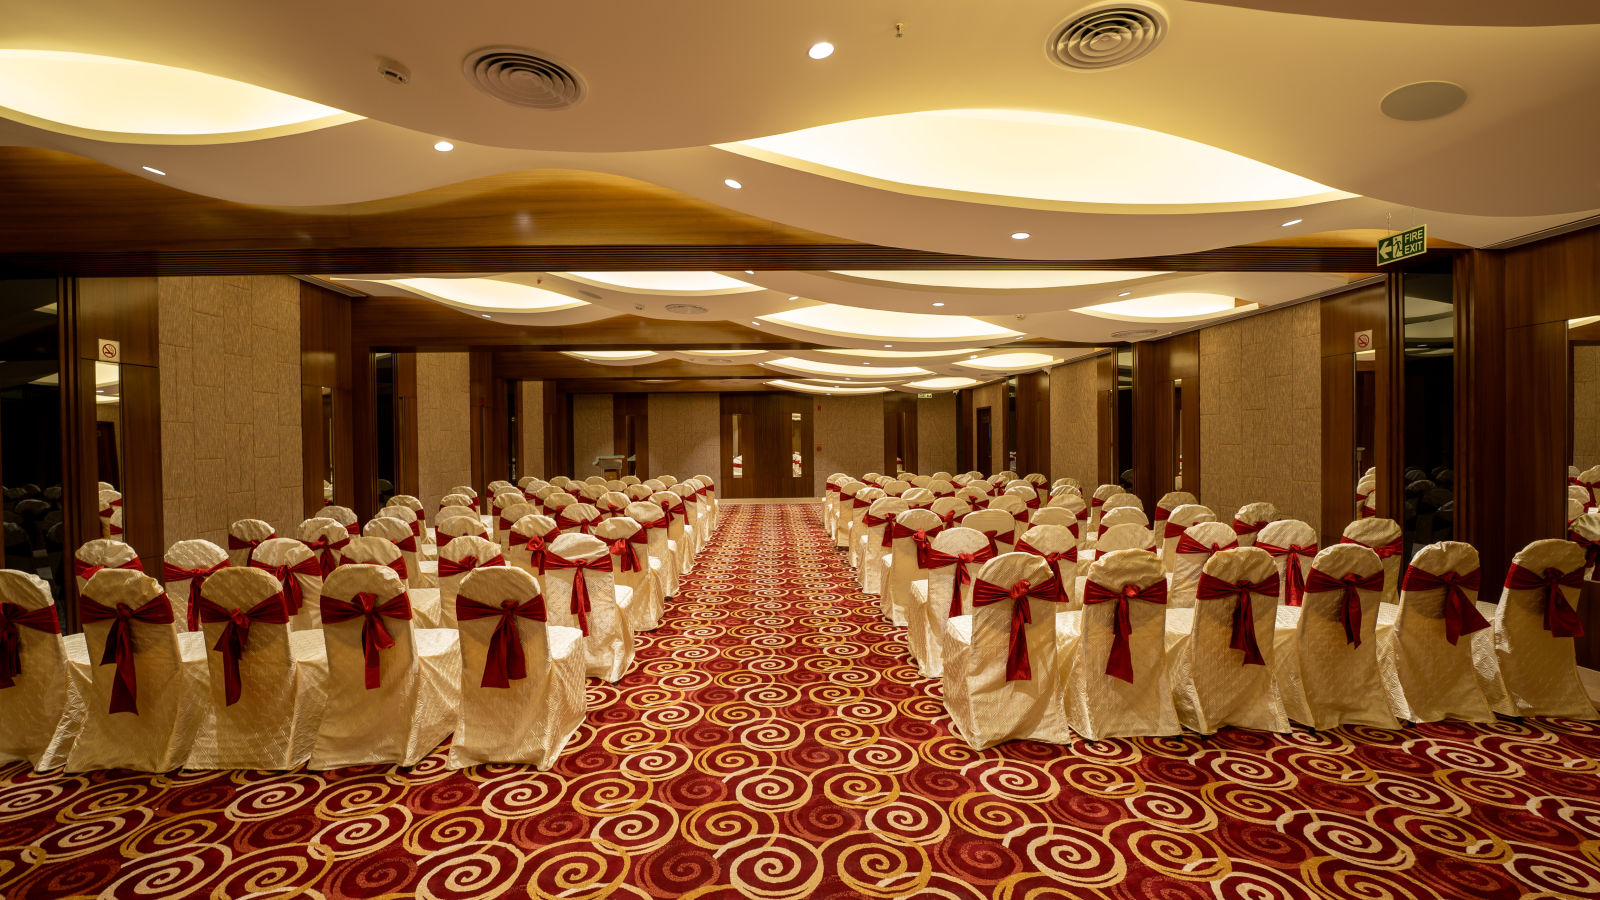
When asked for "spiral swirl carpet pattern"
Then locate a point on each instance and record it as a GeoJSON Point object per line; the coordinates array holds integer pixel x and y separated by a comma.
{"type": "Point", "coordinates": [773, 742]}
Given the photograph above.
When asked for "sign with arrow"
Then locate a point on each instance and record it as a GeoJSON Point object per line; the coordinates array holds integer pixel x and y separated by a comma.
{"type": "Point", "coordinates": [1404, 245]}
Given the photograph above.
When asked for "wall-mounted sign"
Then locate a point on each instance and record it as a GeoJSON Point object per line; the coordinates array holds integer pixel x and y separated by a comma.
{"type": "Point", "coordinates": [109, 351]}
{"type": "Point", "coordinates": [1404, 245]}
{"type": "Point", "coordinates": [1363, 340]}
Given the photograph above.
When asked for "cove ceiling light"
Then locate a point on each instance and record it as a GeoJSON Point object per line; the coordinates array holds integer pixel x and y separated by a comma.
{"type": "Point", "coordinates": [1007, 362]}
{"type": "Point", "coordinates": [946, 383]}
{"type": "Point", "coordinates": [1163, 306]}
{"type": "Point", "coordinates": [899, 354]}
{"type": "Point", "coordinates": [856, 322]}
{"type": "Point", "coordinates": [488, 293]}
{"type": "Point", "coordinates": [1036, 156]}
{"type": "Point", "coordinates": [1019, 280]}
{"type": "Point", "coordinates": [823, 368]}
{"type": "Point", "coordinates": [108, 95]}
{"type": "Point", "coordinates": [665, 282]}
{"type": "Point", "coordinates": [722, 352]}
{"type": "Point", "coordinates": [608, 354]}
{"type": "Point", "coordinates": [824, 388]}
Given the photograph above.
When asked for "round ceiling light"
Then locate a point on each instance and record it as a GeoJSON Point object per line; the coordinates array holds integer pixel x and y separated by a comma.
{"type": "Point", "coordinates": [444, 146]}
{"type": "Point", "coordinates": [1423, 100]}
{"type": "Point", "coordinates": [820, 50]}
{"type": "Point", "coordinates": [1108, 36]}
{"type": "Point", "coordinates": [685, 309]}
{"type": "Point", "coordinates": [1020, 235]}
{"type": "Point", "coordinates": [732, 183]}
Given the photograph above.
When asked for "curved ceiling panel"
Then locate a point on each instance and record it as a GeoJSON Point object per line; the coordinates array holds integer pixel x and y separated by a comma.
{"type": "Point", "coordinates": [1163, 307]}
{"type": "Point", "coordinates": [664, 282]}
{"type": "Point", "coordinates": [490, 294]}
{"type": "Point", "coordinates": [808, 388]}
{"type": "Point", "coordinates": [859, 324]}
{"type": "Point", "coordinates": [865, 370]}
{"type": "Point", "coordinates": [1010, 362]}
{"type": "Point", "coordinates": [1035, 156]}
{"type": "Point", "coordinates": [1000, 280]}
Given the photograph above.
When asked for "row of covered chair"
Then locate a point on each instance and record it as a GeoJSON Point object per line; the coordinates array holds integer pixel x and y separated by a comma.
{"type": "Point", "coordinates": [1043, 620]}
{"type": "Point", "coordinates": [328, 648]}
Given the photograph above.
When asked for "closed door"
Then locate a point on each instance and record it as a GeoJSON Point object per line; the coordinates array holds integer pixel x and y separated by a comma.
{"type": "Point", "coordinates": [985, 437]}
{"type": "Point", "coordinates": [766, 445]}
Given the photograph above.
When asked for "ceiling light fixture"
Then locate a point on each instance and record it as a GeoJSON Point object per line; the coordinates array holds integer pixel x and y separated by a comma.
{"type": "Point", "coordinates": [444, 146]}
{"type": "Point", "coordinates": [153, 169]}
{"type": "Point", "coordinates": [731, 183]}
{"type": "Point", "coordinates": [938, 303]}
{"type": "Point", "coordinates": [1125, 294]}
{"type": "Point", "coordinates": [485, 315]}
{"type": "Point", "coordinates": [749, 271]}
{"type": "Point", "coordinates": [888, 346]}
{"type": "Point", "coordinates": [794, 298]}
{"type": "Point", "coordinates": [1020, 235]}
{"type": "Point", "coordinates": [820, 50]}
{"type": "Point", "coordinates": [1292, 222]}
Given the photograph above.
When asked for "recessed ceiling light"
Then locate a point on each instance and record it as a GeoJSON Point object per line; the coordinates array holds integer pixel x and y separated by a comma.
{"type": "Point", "coordinates": [749, 271]}
{"type": "Point", "coordinates": [153, 169]}
{"type": "Point", "coordinates": [1020, 235]}
{"type": "Point", "coordinates": [866, 364]}
{"type": "Point", "coordinates": [973, 356]}
{"type": "Point", "coordinates": [731, 183]}
{"type": "Point", "coordinates": [485, 315]}
{"type": "Point", "coordinates": [1125, 294]}
{"type": "Point", "coordinates": [794, 298]}
{"type": "Point", "coordinates": [444, 146]}
{"type": "Point", "coordinates": [99, 390]}
{"type": "Point", "coordinates": [938, 303]}
{"type": "Point", "coordinates": [820, 50]}
{"type": "Point", "coordinates": [1292, 222]}
{"type": "Point", "coordinates": [888, 346]}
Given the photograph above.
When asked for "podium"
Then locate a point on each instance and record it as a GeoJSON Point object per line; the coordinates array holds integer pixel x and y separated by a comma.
{"type": "Point", "coordinates": [610, 466]}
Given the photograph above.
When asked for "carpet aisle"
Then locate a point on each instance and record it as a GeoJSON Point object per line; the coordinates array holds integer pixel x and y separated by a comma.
{"type": "Point", "coordinates": [772, 741]}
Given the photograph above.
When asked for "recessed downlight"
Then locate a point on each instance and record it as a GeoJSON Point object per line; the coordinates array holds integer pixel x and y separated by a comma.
{"type": "Point", "coordinates": [731, 183]}
{"type": "Point", "coordinates": [1292, 222]}
{"type": "Point", "coordinates": [820, 50]}
{"type": "Point", "coordinates": [1020, 235]}
{"type": "Point", "coordinates": [485, 315]}
{"type": "Point", "coordinates": [444, 146]}
{"type": "Point", "coordinates": [1423, 100]}
{"type": "Point", "coordinates": [1125, 294]}
{"type": "Point", "coordinates": [938, 303]}
{"type": "Point", "coordinates": [153, 170]}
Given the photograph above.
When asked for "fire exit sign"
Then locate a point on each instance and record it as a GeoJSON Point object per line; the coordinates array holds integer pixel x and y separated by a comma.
{"type": "Point", "coordinates": [1404, 245]}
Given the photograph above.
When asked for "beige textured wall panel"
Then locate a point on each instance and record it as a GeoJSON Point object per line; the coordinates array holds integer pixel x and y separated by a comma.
{"type": "Point", "coordinates": [850, 432]}
{"type": "Point", "coordinates": [593, 433]}
{"type": "Point", "coordinates": [444, 425]}
{"type": "Point", "coordinates": [685, 437]}
{"type": "Point", "coordinates": [230, 403]}
{"type": "Point", "coordinates": [936, 434]}
{"type": "Point", "coordinates": [1261, 413]}
{"type": "Point", "coordinates": [994, 397]}
{"type": "Point", "coordinates": [530, 421]}
{"type": "Point", "coordinates": [1074, 423]}
{"type": "Point", "coordinates": [1586, 405]}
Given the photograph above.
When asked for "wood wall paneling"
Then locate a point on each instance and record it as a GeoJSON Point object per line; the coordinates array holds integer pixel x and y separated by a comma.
{"type": "Point", "coordinates": [1033, 423]}
{"type": "Point", "coordinates": [558, 431]}
{"type": "Point", "coordinates": [328, 359]}
{"type": "Point", "coordinates": [637, 408]}
{"type": "Point", "coordinates": [765, 444]}
{"type": "Point", "coordinates": [1156, 365]}
{"type": "Point", "coordinates": [899, 432]}
{"type": "Point", "coordinates": [1360, 309]}
{"type": "Point", "coordinates": [965, 426]}
{"type": "Point", "coordinates": [1106, 415]}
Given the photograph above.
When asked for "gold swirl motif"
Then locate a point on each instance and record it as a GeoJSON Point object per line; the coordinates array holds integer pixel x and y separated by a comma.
{"type": "Point", "coordinates": [911, 818]}
{"type": "Point", "coordinates": [19, 801]}
{"type": "Point", "coordinates": [725, 759]}
{"type": "Point", "coordinates": [604, 794]}
{"type": "Point", "coordinates": [660, 764]}
{"type": "Point", "coordinates": [855, 789]}
{"type": "Point", "coordinates": [992, 817]}
{"type": "Point", "coordinates": [887, 756]}
{"type": "Point", "coordinates": [640, 831]}
{"type": "Point", "coordinates": [1341, 767]}
{"type": "Point", "coordinates": [350, 838]}
{"type": "Point", "coordinates": [1478, 788]}
{"type": "Point", "coordinates": [357, 797]}
{"type": "Point", "coordinates": [648, 697]}
{"type": "Point", "coordinates": [1548, 756]}
{"type": "Point", "coordinates": [269, 872]}
{"type": "Point", "coordinates": [1187, 855]}
{"type": "Point", "coordinates": [1418, 794]}
{"type": "Point", "coordinates": [882, 865]}
{"type": "Point", "coordinates": [1248, 803]}
{"type": "Point", "coordinates": [80, 838]}
{"type": "Point", "coordinates": [522, 795]}
{"type": "Point", "coordinates": [635, 737]}
{"type": "Point", "coordinates": [1113, 752]}
{"type": "Point", "coordinates": [196, 827]}
{"type": "Point", "coordinates": [1017, 780]}
{"type": "Point", "coordinates": [1171, 808]}
{"type": "Point", "coordinates": [1073, 856]}
{"type": "Point", "coordinates": [772, 867]}
{"type": "Point", "coordinates": [773, 789]}
{"type": "Point", "coordinates": [1453, 837]}
{"type": "Point", "coordinates": [581, 869]}
{"type": "Point", "coordinates": [714, 825]}
{"type": "Point", "coordinates": [450, 828]}
{"type": "Point", "coordinates": [775, 735]}
{"type": "Point", "coordinates": [1472, 759]}
{"type": "Point", "coordinates": [1102, 780]}
{"type": "Point", "coordinates": [1335, 879]}
{"type": "Point", "coordinates": [1356, 841]}
{"type": "Point", "coordinates": [169, 875]}
{"type": "Point", "coordinates": [842, 735]}
{"type": "Point", "coordinates": [108, 798]}
{"type": "Point", "coordinates": [671, 717]}
{"type": "Point", "coordinates": [1255, 771]}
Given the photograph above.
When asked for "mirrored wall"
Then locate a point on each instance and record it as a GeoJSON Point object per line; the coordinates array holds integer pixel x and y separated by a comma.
{"type": "Point", "coordinates": [30, 430]}
{"type": "Point", "coordinates": [1427, 481]}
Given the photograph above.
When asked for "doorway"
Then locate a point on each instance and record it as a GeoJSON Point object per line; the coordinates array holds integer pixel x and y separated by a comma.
{"type": "Point", "coordinates": [766, 445]}
{"type": "Point", "coordinates": [985, 443]}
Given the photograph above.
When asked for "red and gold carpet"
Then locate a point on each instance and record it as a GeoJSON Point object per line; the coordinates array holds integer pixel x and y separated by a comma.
{"type": "Point", "coordinates": [773, 742]}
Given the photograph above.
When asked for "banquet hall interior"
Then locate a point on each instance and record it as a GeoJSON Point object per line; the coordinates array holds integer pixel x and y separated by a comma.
{"type": "Point", "coordinates": [837, 449]}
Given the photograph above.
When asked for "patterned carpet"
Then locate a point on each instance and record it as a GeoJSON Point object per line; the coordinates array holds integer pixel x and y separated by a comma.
{"type": "Point", "coordinates": [772, 742]}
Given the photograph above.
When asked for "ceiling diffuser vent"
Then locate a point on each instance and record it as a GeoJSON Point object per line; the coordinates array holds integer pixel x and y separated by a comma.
{"type": "Point", "coordinates": [523, 78]}
{"type": "Point", "coordinates": [685, 309]}
{"type": "Point", "coordinates": [1108, 36]}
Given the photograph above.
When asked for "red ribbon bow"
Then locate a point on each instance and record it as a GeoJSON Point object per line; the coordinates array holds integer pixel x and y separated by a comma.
{"type": "Point", "coordinates": [896, 530]}
{"type": "Point", "coordinates": [1298, 558]}
{"type": "Point", "coordinates": [929, 558]}
{"type": "Point", "coordinates": [407, 544]}
{"type": "Point", "coordinates": [1350, 602]}
{"type": "Point", "coordinates": [1591, 550]}
{"type": "Point", "coordinates": [505, 660]}
{"type": "Point", "coordinates": [12, 616]}
{"type": "Point", "coordinates": [1120, 663]}
{"type": "Point", "coordinates": [236, 634]}
{"type": "Point", "coordinates": [1384, 551]}
{"type": "Point", "coordinates": [327, 551]}
{"type": "Point", "coordinates": [287, 575]}
{"type": "Point", "coordinates": [624, 550]}
{"type": "Point", "coordinates": [1241, 527]}
{"type": "Point", "coordinates": [1161, 514]}
{"type": "Point", "coordinates": [1188, 544]}
{"type": "Point", "coordinates": [1054, 561]}
{"type": "Point", "coordinates": [354, 529]}
{"type": "Point", "coordinates": [1560, 619]}
{"type": "Point", "coordinates": [985, 593]}
{"type": "Point", "coordinates": [238, 543]}
{"type": "Point", "coordinates": [1461, 616]}
{"type": "Point", "coordinates": [996, 538]}
{"type": "Point", "coordinates": [580, 588]}
{"type": "Point", "coordinates": [119, 642]}
{"type": "Point", "coordinates": [86, 571]}
{"type": "Point", "coordinates": [398, 564]}
{"type": "Point", "coordinates": [1244, 622]}
{"type": "Point", "coordinates": [197, 578]}
{"type": "Point", "coordinates": [452, 567]}
{"type": "Point", "coordinates": [562, 521]}
{"type": "Point", "coordinates": [948, 517]}
{"type": "Point", "coordinates": [375, 636]}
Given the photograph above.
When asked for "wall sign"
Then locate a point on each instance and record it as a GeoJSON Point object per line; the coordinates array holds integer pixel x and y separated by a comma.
{"type": "Point", "coordinates": [108, 351]}
{"type": "Point", "coordinates": [1404, 245]}
{"type": "Point", "coordinates": [1363, 340]}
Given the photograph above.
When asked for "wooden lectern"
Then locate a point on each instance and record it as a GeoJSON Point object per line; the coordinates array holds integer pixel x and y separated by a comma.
{"type": "Point", "coordinates": [611, 466]}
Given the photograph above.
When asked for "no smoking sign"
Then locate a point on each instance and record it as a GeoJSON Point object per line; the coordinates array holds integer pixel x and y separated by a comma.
{"type": "Point", "coordinates": [110, 351]}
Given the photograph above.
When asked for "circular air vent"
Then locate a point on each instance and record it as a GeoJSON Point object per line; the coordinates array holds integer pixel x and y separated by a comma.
{"type": "Point", "coordinates": [523, 78]}
{"type": "Point", "coordinates": [685, 309]}
{"type": "Point", "coordinates": [1108, 36]}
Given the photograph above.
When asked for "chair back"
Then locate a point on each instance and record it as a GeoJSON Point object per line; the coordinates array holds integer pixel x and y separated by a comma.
{"type": "Point", "coordinates": [244, 535]}
{"type": "Point", "coordinates": [1123, 515]}
{"type": "Point", "coordinates": [1194, 548]}
{"type": "Point", "coordinates": [1124, 537]}
{"type": "Point", "coordinates": [459, 526]}
{"type": "Point", "coordinates": [999, 525]}
{"type": "Point", "coordinates": [947, 589]}
{"type": "Point", "coordinates": [1250, 519]}
{"type": "Point", "coordinates": [1170, 501]}
{"type": "Point", "coordinates": [298, 572]}
{"type": "Point", "coordinates": [408, 501]}
{"type": "Point", "coordinates": [344, 515]}
{"type": "Point", "coordinates": [375, 551]}
{"type": "Point", "coordinates": [33, 681]}
{"type": "Point", "coordinates": [184, 571]}
{"type": "Point", "coordinates": [246, 624]}
{"type": "Point", "coordinates": [1292, 544]}
{"type": "Point", "coordinates": [103, 553]}
{"type": "Point", "coordinates": [1178, 521]}
{"type": "Point", "coordinates": [1388, 541]}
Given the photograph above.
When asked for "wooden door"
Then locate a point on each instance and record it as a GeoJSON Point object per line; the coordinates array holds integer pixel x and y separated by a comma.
{"type": "Point", "coordinates": [766, 445]}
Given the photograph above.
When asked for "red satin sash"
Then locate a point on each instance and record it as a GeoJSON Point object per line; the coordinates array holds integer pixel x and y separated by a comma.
{"type": "Point", "coordinates": [398, 564]}
{"type": "Point", "coordinates": [1120, 663]}
{"type": "Point", "coordinates": [929, 558]}
{"type": "Point", "coordinates": [12, 617]}
{"type": "Point", "coordinates": [1298, 558]}
{"type": "Point", "coordinates": [86, 571]}
{"type": "Point", "coordinates": [505, 662]}
{"type": "Point", "coordinates": [1560, 619]}
{"type": "Point", "coordinates": [452, 567]}
{"type": "Point", "coordinates": [375, 636]}
{"type": "Point", "coordinates": [580, 589]}
{"type": "Point", "coordinates": [119, 642]}
{"type": "Point", "coordinates": [293, 593]}
{"type": "Point", "coordinates": [235, 543]}
{"type": "Point", "coordinates": [627, 553]}
{"type": "Point", "coordinates": [1350, 599]}
{"type": "Point", "coordinates": [327, 552]}
{"type": "Point", "coordinates": [1241, 527]}
{"type": "Point", "coordinates": [197, 579]}
{"type": "Point", "coordinates": [236, 635]}
{"type": "Point", "coordinates": [984, 593]}
{"type": "Point", "coordinates": [1384, 551]}
{"type": "Point", "coordinates": [1244, 623]}
{"type": "Point", "coordinates": [1054, 561]}
{"type": "Point", "coordinates": [1591, 550]}
{"type": "Point", "coordinates": [1461, 615]}
{"type": "Point", "coordinates": [1187, 544]}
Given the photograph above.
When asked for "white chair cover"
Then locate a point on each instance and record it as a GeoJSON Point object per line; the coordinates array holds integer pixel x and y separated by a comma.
{"type": "Point", "coordinates": [398, 533]}
{"type": "Point", "coordinates": [637, 491]}
{"type": "Point", "coordinates": [42, 701]}
{"type": "Point", "coordinates": [1055, 515]}
{"type": "Point", "coordinates": [1575, 509]}
{"type": "Point", "coordinates": [1526, 663]}
{"type": "Point", "coordinates": [1124, 537]}
{"type": "Point", "coordinates": [410, 702]}
{"type": "Point", "coordinates": [1097, 503]}
{"type": "Point", "coordinates": [654, 484]}
{"type": "Point", "coordinates": [1219, 659]}
{"type": "Point", "coordinates": [1190, 557]}
{"type": "Point", "coordinates": [653, 519]}
{"type": "Point", "coordinates": [630, 480]}
{"type": "Point", "coordinates": [168, 691]}
{"type": "Point", "coordinates": [1250, 519]}
{"type": "Point", "coordinates": [457, 559]}
{"type": "Point", "coordinates": [933, 597]}
{"type": "Point", "coordinates": [1585, 532]}
{"type": "Point", "coordinates": [608, 637]}
{"type": "Point", "coordinates": [902, 568]}
{"type": "Point", "coordinates": [325, 538]}
{"type": "Point", "coordinates": [1002, 677]}
{"type": "Point", "coordinates": [1425, 643]}
{"type": "Point", "coordinates": [941, 487]}
{"type": "Point", "coordinates": [611, 503]}
{"type": "Point", "coordinates": [1100, 703]}
{"type": "Point", "coordinates": [408, 501]}
{"type": "Point", "coordinates": [110, 501]}
{"type": "Point", "coordinates": [344, 515]}
{"type": "Point", "coordinates": [244, 536]}
{"type": "Point", "coordinates": [184, 571]}
{"type": "Point", "coordinates": [677, 530]}
{"type": "Point", "coordinates": [589, 492]}
{"type": "Point", "coordinates": [513, 713]}
{"type": "Point", "coordinates": [103, 553]}
{"type": "Point", "coordinates": [299, 574]}
{"type": "Point", "coordinates": [537, 529]}
{"type": "Point", "coordinates": [1027, 492]}
{"type": "Point", "coordinates": [1384, 537]}
{"type": "Point", "coordinates": [871, 556]}
{"type": "Point", "coordinates": [1059, 547]}
{"type": "Point", "coordinates": [1123, 515]}
{"type": "Point", "coordinates": [628, 543]}
{"type": "Point", "coordinates": [1170, 501]}
{"type": "Point", "coordinates": [1290, 543]}
{"type": "Point", "coordinates": [456, 504]}
{"type": "Point", "coordinates": [1177, 522]}
{"type": "Point", "coordinates": [1117, 501]}
{"type": "Point", "coordinates": [281, 677]}
{"type": "Point", "coordinates": [1326, 665]}
{"type": "Point", "coordinates": [976, 497]}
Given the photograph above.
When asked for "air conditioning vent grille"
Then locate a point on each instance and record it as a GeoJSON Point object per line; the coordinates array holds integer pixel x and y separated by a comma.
{"type": "Point", "coordinates": [523, 78]}
{"type": "Point", "coordinates": [1107, 37]}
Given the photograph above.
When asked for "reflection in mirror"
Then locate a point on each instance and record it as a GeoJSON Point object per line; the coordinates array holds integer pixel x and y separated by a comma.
{"type": "Point", "coordinates": [388, 429]}
{"type": "Point", "coordinates": [1177, 434]}
{"type": "Point", "coordinates": [796, 451]}
{"type": "Point", "coordinates": [1010, 424]}
{"type": "Point", "coordinates": [1365, 419]}
{"type": "Point", "coordinates": [629, 449]}
{"type": "Point", "coordinates": [1124, 418]}
{"type": "Point", "coordinates": [327, 444]}
{"type": "Point", "coordinates": [1428, 482]}
{"type": "Point", "coordinates": [515, 472]}
{"type": "Point", "coordinates": [108, 446]}
{"type": "Point", "coordinates": [30, 430]}
{"type": "Point", "coordinates": [1583, 436]}
{"type": "Point", "coordinates": [735, 448]}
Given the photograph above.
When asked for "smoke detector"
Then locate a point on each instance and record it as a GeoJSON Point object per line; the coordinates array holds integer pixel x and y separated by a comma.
{"type": "Point", "coordinates": [523, 78]}
{"type": "Point", "coordinates": [1108, 36]}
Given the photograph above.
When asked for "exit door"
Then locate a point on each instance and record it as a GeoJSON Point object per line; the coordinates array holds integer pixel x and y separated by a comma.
{"type": "Point", "coordinates": [766, 445]}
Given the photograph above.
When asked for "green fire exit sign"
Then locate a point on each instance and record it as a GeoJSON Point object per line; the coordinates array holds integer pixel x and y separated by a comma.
{"type": "Point", "coordinates": [1404, 245]}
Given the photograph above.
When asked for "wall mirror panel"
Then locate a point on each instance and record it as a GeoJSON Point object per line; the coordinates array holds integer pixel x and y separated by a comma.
{"type": "Point", "coordinates": [1123, 414]}
{"type": "Point", "coordinates": [30, 429]}
{"type": "Point", "coordinates": [1583, 419]}
{"type": "Point", "coordinates": [329, 429]}
{"type": "Point", "coordinates": [1428, 478]}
